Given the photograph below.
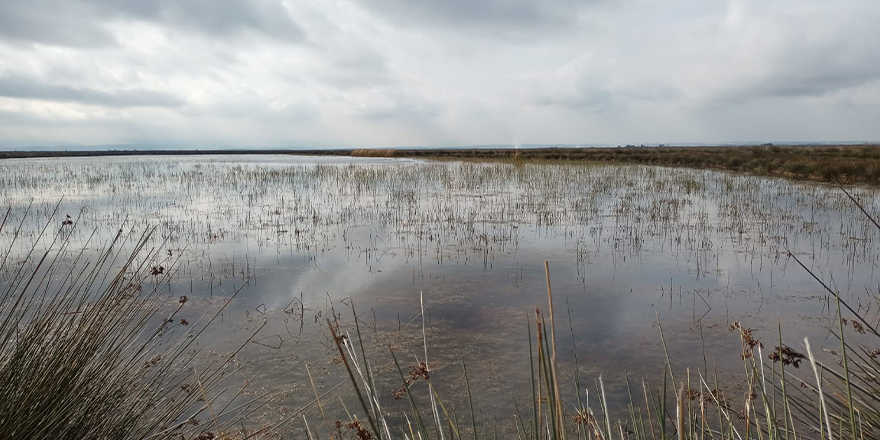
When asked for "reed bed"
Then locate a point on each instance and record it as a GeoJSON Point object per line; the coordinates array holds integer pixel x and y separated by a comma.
{"type": "Point", "coordinates": [462, 212]}
{"type": "Point", "coordinates": [827, 163]}
{"type": "Point", "coordinates": [374, 152]}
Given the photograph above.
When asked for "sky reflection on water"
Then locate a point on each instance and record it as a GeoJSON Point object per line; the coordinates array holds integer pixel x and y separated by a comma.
{"type": "Point", "coordinates": [628, 246]}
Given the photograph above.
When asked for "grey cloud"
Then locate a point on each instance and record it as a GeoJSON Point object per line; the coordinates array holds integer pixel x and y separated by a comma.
{"type": "Point", "coordinates": [806, 61]}
{"type": "Point", "coordinates": [813, 84]}
{"type": "Point", "coordinates": [51, 22]}
{"type": "Point", "coordinates": [391, 102]}
{"type": "Point", "coordinates": [820, 70]}
{"type": "Point", "coordinates": [802, 77]}
{"type": "Point", "coordinates": [399, 72]}
{"type": "Point", "coordinates": [595, 97]}
{"type": "Point", "coordinates": [17, 119]}
{"type": "Point", "coordinates": [360, 69]}
{"type": "Point", "coordinates": [504, 18]}
{"type": "Point", "coordinates": [15, 86]}
{"type": "Point", "coordinates": [214, 17]}
{"type": "Point", "coordinates": [581, 84]}
{"type": "Point", "coordinates": [778, 54]}
{"type": "Point", "coordinates": [80, 22]}
{"type": "Point", "coordinates": [252, 108]}
{"type": "Point", "coordinates": [594, 100]}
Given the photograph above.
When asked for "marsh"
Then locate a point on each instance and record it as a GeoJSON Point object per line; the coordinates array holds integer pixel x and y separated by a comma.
{"type": "Point", "coordinates": [303, 239]}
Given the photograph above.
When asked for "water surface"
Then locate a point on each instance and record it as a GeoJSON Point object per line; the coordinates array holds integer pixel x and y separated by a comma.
{"type": "Point", "coordinates": [302, 239]}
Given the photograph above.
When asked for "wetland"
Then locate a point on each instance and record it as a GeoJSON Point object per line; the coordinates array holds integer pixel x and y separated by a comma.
{"type": "Point", "coordinates": [446, 260]}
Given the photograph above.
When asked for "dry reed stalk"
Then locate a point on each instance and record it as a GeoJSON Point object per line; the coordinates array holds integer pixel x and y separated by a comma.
{"type": "Point", "coordinates": [679, 412]}
{"type": "Point", "coordinates": [560, 421]}
{"type": "Point", "coordinates": [357, 390]}
{"type": "Point", "coordinates": [427, 368]}
{"type": "Point", "coordinates": [318, 399]}
{"type": "Point", "coordinates": [207, 401]}
{"type": "Point", "coordinates": [823, 409]}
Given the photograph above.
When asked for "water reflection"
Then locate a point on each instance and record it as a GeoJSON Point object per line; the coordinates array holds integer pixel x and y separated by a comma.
{"type": "Point", "coordinates": [304, 238]}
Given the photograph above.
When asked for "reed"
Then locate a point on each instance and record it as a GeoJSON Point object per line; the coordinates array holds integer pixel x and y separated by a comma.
{"type": "Point", "coordinates": [92, 347]}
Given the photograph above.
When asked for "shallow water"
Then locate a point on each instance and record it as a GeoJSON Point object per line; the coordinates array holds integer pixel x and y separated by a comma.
{"type": "Point", "coordinates": [305, 238]}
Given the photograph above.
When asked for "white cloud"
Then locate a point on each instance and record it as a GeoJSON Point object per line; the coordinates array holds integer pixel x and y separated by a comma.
{"type": "Point", "coordinates": [428, 72]}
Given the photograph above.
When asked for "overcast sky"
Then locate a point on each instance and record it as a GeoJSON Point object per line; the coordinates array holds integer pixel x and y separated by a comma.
{"type": "Point", "coordinates": [363, 73]}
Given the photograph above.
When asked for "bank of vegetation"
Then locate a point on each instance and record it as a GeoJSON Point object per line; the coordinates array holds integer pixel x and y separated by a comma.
{"type": "Point", "coordinates": [845, 164]}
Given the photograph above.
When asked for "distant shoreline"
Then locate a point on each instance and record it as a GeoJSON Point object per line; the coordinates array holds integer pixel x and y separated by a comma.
{"type": "Point", "coordinates": [845, 164]}
{"type": "Point", "coordinates": [29, 154]}
{"type": "Point", "coordinates": [543, 152]}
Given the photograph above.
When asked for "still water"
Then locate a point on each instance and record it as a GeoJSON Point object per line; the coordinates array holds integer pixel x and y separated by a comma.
{"type": "Point", "coordinates": [304, 239]}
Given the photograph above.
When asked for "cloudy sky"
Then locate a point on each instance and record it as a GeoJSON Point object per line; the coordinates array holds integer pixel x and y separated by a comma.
{"type": "Point", "coordinates": [363, 73]}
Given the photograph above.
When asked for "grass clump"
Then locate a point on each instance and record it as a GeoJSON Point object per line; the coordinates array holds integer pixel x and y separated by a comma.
{"type": "Point", "coordinates": [91, 347]}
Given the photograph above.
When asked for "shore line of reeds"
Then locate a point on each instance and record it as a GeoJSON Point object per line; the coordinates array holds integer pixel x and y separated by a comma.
{"type": "Point", "coordinates": [843, 164]}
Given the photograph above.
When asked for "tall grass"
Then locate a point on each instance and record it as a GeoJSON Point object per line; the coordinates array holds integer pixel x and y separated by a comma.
{"type": "Point", "coordinates": [92, 347]}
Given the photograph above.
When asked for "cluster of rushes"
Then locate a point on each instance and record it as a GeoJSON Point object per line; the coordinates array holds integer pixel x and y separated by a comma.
{"type": "Point", "coordinates": [92, 347]}
{"type": "Point", "coordinates": [80, 357]}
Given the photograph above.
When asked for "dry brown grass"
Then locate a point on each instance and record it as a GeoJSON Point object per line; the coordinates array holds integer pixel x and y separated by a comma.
{"type": "Point", "coordinates": [840, 164]}
{"type": "Point", "coordinates": [374, 152]}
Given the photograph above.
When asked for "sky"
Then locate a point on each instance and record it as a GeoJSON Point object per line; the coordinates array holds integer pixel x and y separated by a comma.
{"type": "Point", "coordinates": [392, 73]}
